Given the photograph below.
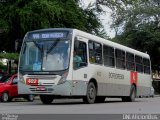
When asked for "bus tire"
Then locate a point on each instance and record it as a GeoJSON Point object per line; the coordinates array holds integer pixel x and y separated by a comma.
{"type": "Point", "coordinates": [91, 94]}
{"type": "Point", "coordinates": [30, 98]}
{"type": "Point", "coordinates": [46, 99]}
{"type": "Point", "coordinates": [132, 96]}
{"type": "Point", "coordinates": [124, 99]}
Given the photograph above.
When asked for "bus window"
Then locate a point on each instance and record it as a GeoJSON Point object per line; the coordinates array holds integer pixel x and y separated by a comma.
{"type": "Point", "coordinates": [130, 61]}
{"type": "Point", "coordinates": [108, 53]}
{"type": "Point", "coordinates": [138, 62]}
{"type": "Point", "coordinates": [80, 54]}
{"type": "Point", "coordinates": [146, 65]}
{"type": "Point", "coordinates": [120, 59]}
{"type": "Point", "coordinates": [95, 52]}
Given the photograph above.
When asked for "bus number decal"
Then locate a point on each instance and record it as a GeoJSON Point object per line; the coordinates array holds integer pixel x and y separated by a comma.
{"type": "Point", "coordinates": [31, 81]}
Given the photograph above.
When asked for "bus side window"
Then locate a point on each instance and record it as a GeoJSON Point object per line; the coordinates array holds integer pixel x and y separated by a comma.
{"type": "Point", "coordinates": [80, 54]}
{"type": "Point", "coordinates": [139, 64]}
{"type": "Point", "coordinates": [130, 61]}
{"type": "Point", "coordinates": [95, 52]}
{"type": "Point", "coordinates": [108, 53]}
{"type": "Point", "coordinates": [91, 52]}
{"type": "Point", "coordinates": [146, 65]}
{"type": "Point", "coordinates": [120, 59]}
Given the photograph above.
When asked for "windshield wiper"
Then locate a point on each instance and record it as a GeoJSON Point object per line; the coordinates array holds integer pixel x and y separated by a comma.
{"type": "Point", "coordinates": [36, 44]}
{"type": "Point", "coordinates": [53, 45]}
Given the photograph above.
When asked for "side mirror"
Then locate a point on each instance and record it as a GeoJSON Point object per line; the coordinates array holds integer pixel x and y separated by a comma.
{"type": "Point", "coordinates": [18, 44]}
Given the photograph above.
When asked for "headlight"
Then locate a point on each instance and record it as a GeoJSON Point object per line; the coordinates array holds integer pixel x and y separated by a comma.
{"type": "Point", "coordinates": [63, 78]}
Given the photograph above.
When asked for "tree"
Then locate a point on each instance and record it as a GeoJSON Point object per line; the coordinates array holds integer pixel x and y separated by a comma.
{"type": "Point", "coordinates": [18, 17]}
{"type": "Point", "coordinates": [137, 25]}
{"type": "Point", "coordinates": [14, 56]}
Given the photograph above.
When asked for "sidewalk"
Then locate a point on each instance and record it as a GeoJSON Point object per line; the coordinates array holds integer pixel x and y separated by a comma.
{"type": "Point", "coordinates": [157, 95]}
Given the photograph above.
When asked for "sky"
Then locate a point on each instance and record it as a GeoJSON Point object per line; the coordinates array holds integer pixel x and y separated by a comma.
{"type": "Point", "coordinates": [105, 18]}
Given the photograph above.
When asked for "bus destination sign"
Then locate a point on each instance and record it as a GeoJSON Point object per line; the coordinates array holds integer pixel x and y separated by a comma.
{"type": "Point", "coordinates": [47, 35]}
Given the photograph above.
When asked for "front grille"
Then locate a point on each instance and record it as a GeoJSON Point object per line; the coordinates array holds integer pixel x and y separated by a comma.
{"type": "Point", "coordinates": [48, 83]}
{"type": "Point", "coordinates": [43, 80]}
{"type": "Point", "coordinates": [48, 77]}
{"type": "Point", "coordinates": [42, 92]}
{"type": "Point", "coordinates": [43, 84]}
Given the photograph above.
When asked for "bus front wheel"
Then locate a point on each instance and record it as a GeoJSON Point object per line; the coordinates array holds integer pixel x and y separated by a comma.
{"type": "Point", "coordinates": [91, 94]}
{"type": "Point", "coordinates": [46, 99]}
{"type": "Point", "coordinates": [132, 94]}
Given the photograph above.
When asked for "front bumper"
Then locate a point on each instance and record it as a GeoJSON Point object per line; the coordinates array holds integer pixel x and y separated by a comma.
{"type": "Point", "coordinates": [62, 89]}
{"type": "Point", "coordinates": [69, 88]}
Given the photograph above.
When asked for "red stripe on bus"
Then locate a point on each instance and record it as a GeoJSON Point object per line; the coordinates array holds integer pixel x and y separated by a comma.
{"type": "Point", "coordinates": [133, 77]}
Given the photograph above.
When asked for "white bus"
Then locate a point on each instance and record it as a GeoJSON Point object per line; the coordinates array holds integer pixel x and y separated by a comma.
{"type": "Point", "coordinates": [62, 62]}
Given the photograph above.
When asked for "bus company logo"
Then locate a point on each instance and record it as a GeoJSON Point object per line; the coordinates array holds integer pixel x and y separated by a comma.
{"type": "Point", "coordinates": [133, 77]}
{"type": "Point", "coordinates": [32, 81]}
{"type": "Point", "coordinates": [116, 76]}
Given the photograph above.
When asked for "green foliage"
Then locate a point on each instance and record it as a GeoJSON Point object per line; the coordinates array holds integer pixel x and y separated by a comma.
{"type": "Point", "coordinates": [14, 56]}
{"type": "Point", "coordinates": [137, 24]}
{"type": "Point", "coordinates": [3, 67]}
{"type": "Point", "coordinates": [20, 16]}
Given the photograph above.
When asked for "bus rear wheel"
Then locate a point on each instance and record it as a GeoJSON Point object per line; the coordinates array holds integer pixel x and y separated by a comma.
{"type": "Point", "coordinates": [91, 94]}
{"type": "Point", "coordinates": [46, 99]}
{"type": "Point", "coordinates": [132, 96]}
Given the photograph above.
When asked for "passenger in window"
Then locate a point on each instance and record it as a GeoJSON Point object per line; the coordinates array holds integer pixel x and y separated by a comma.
{"type": "Point", "coordinates": [76, 60]}
{"type": "Point", "coordinates": [91, 59]}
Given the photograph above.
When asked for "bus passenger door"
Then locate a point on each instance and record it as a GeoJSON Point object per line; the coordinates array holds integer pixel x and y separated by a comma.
{"type": "Point", "coordinates": [79, 67]}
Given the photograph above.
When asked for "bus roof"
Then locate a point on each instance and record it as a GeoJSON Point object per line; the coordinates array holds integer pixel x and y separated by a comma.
{"type": "Point", "coordinates": [97, 39]}
{"type": "Point", "coordinates": [110, 43]}
{"type": "Point", "coordinates": [51, 29]}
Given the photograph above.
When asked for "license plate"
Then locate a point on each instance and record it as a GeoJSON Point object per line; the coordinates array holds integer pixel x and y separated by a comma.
{"type": "Point", "coordinates": [41, 88]}
{"type": "Point", "coordinates": [32, 81]}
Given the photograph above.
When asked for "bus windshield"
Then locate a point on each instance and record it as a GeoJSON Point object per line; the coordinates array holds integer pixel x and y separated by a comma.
{"type": "Point", "coordinates": [45, 55]}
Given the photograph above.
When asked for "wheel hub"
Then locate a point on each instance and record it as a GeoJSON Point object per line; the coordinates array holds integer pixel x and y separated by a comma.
{"type": "Point", "coordinates": [5, 97]}
{"type": "Point", "coordinates": [91, 93]}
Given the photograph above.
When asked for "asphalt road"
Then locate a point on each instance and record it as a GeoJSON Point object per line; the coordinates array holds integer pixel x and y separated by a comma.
{"type": "Point", "coordinates": [76, 106]}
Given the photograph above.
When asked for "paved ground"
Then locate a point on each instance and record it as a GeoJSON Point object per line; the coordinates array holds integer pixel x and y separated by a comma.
{"type": "Point", "coordinates": [73, 106]}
